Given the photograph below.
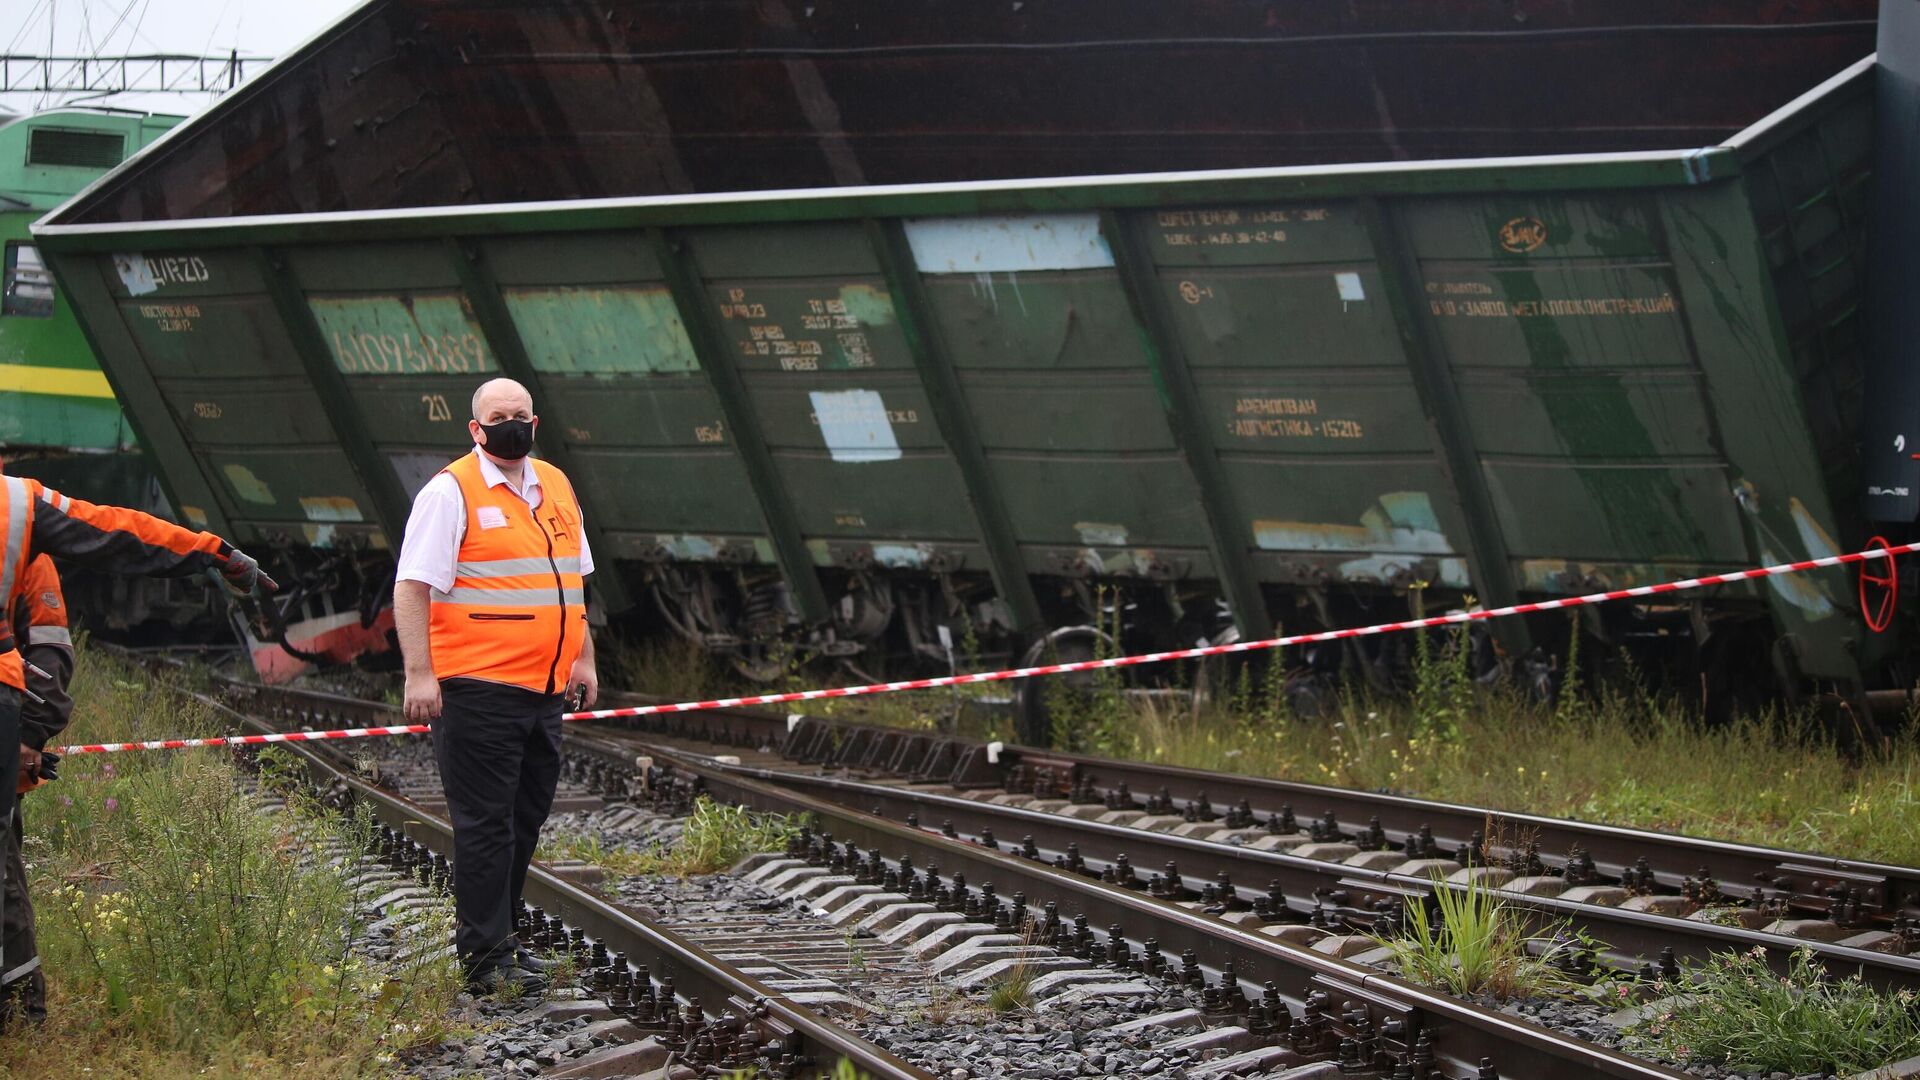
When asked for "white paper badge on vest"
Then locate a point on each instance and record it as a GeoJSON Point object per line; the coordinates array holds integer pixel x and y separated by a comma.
{"type": "Point", "coordinates": [492, 517]}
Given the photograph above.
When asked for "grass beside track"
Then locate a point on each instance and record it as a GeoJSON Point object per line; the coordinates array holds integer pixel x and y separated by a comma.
{"type": "Point", "coordinates": [1740, 1014]}
{"type": "Point", "coordinates": [1617, 755]}
{"type": "Point", "coordinates": [1771, 780]}
{"type": "Point", "coordinates": [185, 934]}
{"type": "Point", "coordinates": [714, 838]}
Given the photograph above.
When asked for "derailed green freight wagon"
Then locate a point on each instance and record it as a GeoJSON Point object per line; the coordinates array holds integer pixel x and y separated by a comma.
{"type": "Point", "coordinates": [1247, 399]}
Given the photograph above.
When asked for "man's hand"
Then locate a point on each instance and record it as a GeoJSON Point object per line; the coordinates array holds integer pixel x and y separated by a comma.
{"type": "Point", "coordinates": [422, 698]}
{"type": "Point", "coordinates": [585, 682]}
{"type": "Point", "coordinates": [241, 572]}
{"type": "Point", "coordinates": [29, 765]}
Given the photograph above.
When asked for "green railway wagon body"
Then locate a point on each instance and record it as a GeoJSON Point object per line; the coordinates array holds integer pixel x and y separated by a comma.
{"type": "Point", "coordinates": [1287, 394]}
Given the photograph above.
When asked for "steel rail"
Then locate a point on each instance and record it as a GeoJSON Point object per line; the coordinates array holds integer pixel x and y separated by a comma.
{"type": "Point", "coordinates": [1353, 1002]}
{"type": "Point", "coordinates": [1351, 893]}
{"type": "Point", "coordinates": [1742, 871]}
{"type": "Point", "coordinates": [699, 977]}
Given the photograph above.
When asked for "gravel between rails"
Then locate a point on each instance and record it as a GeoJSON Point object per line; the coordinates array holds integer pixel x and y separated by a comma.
{"type": "Point", "coordinates": [892, 997]}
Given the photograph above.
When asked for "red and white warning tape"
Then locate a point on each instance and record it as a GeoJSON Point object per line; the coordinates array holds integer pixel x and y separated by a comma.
{"type": "Point", "coordinates": [1451, 618]}
{"type": "Point", "coordinates": [243, 740]}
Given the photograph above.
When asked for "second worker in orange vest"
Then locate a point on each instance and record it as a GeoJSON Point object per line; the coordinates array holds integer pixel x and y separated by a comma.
{"type": "Point", "coordinates": [37, 521]}
{"type": "Point", "coordinates": [39, 622]}
{"type": "Point", "coordinates": [490, 603]}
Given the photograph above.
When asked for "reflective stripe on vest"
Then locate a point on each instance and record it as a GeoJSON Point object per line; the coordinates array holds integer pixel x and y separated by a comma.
{"type": "Point", "coordinates": [532, 598]}
{"type": "Point", "coordinates": [19, 505]}
{"type": "Point", "coordinates": [21, 972]}
{"type": "Point", "coordinates": [516, 611]}
{"type": "Point", "coordinates": [495, 568]}
{"type": "Point", "coordinates": [19, 496]}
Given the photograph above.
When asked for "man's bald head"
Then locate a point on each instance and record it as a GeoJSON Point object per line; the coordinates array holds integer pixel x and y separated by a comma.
{"type": "Point", "coordinates": [496, 403]}
{"type": "Point", "coordinates": [501, 399]}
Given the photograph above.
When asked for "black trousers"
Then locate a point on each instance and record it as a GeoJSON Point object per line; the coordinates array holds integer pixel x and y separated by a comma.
{"type": "Point", "coordinates": [498, 748]}
{"type": "Point", "coordinates": [23, 986]}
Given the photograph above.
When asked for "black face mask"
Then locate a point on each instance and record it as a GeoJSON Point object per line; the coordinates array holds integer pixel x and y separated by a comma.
{"type": "Point", "coordinates": [509, 440]}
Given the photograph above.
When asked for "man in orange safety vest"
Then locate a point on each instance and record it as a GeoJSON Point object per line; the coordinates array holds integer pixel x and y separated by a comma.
{"type": "Point", "coordinates": [489, 600]}
{"type": "Point", "coordinates": [39, 617]}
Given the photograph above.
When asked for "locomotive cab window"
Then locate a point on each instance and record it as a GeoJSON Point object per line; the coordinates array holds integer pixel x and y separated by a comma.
{"type": "Point", "coordinates": [28, 285]}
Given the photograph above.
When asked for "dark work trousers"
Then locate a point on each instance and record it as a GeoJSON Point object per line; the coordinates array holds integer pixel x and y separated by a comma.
{"type": "Point", "coordinates": [498, 748]}
{"type": "Point", "coordinates": [22, 986]}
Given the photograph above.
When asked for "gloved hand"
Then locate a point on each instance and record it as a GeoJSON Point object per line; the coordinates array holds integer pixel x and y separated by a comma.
{"type": "Point", "coordinates": [240, 572]}
{"type": "Point", "coordinates": [29, 777]}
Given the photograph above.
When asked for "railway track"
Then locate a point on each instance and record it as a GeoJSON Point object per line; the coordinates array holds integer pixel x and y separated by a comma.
{"type": "Point", "coordinates": [1344, 903]}
{"type": "Point", "coordinates": [1643, 863]}
{"type": "Point", "coordinates": [1273, 858]}
{"type": "Point", "coordinates": [1265, 929]}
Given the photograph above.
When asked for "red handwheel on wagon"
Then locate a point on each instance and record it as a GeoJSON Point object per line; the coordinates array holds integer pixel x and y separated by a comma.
{"type": "Point", "coordinates": [1879, 588]}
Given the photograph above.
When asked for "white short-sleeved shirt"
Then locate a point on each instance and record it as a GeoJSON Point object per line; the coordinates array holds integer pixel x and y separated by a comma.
{"type": "Point", "coordinates": [438, 525]}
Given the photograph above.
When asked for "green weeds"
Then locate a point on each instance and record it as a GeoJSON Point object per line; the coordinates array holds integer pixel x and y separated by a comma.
{"type": "Point", "coordinates": [1742, 1015]}
{"type": "Point", "coordinates": [1481, 946]}
{"type": "Point", "coordinates": [856, 953]}
{"type": "Point", "coordinates": [1013, 991]}
{"type": "Point", "coordinates": [589, 848]}
{"type": "Point", "coordinates": [670, 666]}
{"type": "Point", "coordinates": [714, 838]}
{"type": "Point", "coordinates": [1443, 691]}
{"type": "Point", "coordinates": [717, 836]}
{"type": "Point", "coordinates": [185, 931]}
{"type": "Point", "coordinates": [1086, 710]}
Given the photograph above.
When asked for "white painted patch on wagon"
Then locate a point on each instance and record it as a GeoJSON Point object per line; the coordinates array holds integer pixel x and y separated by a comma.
{"type": "Point", "coordinates": [854, 425]}
{"type": "Point", "coordinates": [1008, 245]}
{"type": "Point", "coordinates": [132, 268]}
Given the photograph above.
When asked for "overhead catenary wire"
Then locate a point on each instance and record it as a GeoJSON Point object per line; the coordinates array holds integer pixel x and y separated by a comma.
{"type": "Point", "coordinates": [26, 26]}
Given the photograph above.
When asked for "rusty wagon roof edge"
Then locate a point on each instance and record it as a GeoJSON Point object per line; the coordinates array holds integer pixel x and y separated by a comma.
{"type": "Point", "coordinates": [1651, 168]}
{"type": "Point", "coordinates": [1638, 168]}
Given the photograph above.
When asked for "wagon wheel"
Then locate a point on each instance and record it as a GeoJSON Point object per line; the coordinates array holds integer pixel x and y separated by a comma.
{"type": "Point", "coordinates": [762, 661]}
{"type": "Point", "coordinates": [1069, 644]}
{"type": "Point", "coordinates": [1879, 588]}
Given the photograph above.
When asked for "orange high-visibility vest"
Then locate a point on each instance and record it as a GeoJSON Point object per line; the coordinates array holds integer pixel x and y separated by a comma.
{"type": "Point", "coordinates": [40, 606]}
{"type": "Point", "coordinates": [17, 496]}
{"type": "Point", "coordinates": [517, 611]}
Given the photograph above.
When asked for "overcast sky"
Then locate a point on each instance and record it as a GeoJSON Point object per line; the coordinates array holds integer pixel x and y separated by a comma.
{"type": "Point", "coordinates": [133, 27]}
